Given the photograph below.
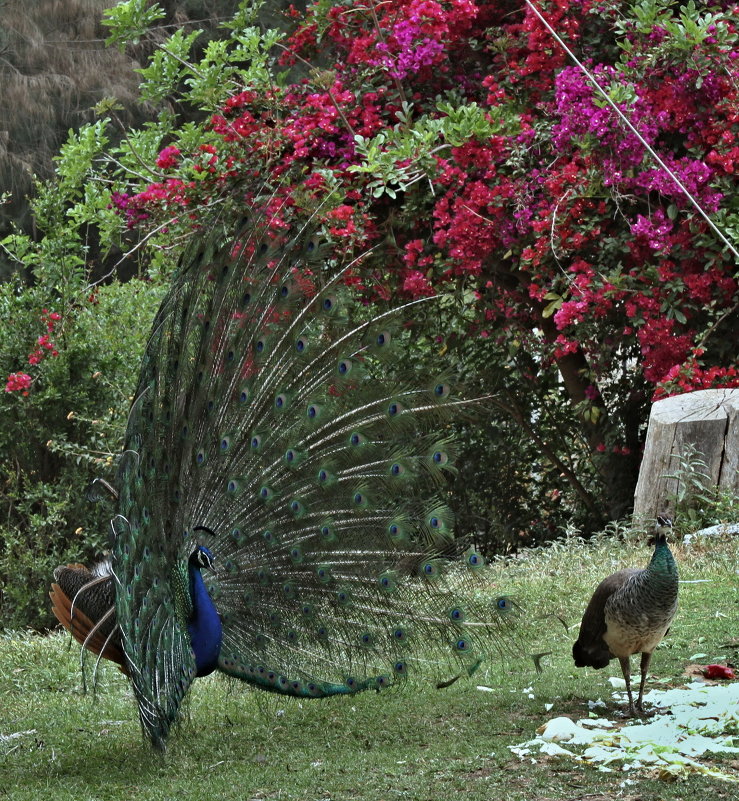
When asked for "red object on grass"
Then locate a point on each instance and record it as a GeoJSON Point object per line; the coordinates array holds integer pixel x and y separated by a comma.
{"type": "Point", "coordinates": [718, 672]}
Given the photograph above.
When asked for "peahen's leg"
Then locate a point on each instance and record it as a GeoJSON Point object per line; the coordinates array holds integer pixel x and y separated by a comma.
{"type": "Point", "coordinates": [626, 670]}
{"type": "Point", "coordinates": [645, 657]}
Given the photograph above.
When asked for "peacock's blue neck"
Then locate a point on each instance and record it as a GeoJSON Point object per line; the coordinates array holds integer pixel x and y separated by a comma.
{"type": "Point", "coordinates": [204, 625]}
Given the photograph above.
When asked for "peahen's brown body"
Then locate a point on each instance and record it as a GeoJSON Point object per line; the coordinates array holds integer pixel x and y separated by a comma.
{"type": "Point", "coordinates": [630, 612]}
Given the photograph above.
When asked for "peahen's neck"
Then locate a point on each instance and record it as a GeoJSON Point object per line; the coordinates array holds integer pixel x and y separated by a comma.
{"type": "Point", "coordinates": [204, 625]}
{"type": "Point", "coordinates": [662, 569]}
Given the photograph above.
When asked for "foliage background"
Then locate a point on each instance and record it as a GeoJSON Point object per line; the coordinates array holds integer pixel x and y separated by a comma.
{"type": "Point", "coordinates": [455, 140]}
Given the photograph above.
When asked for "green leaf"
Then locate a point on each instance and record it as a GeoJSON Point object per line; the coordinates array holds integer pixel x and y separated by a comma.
{"type": "Point", "coordinates": [130, 21]}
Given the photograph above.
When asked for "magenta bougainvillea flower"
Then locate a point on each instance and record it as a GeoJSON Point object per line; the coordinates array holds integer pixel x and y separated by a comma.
{"type": "Point", "coordinates": [572, 238]}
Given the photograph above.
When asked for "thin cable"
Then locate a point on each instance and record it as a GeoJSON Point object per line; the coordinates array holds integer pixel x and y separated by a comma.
{"type": "Point", "coordinates": [631, 127]}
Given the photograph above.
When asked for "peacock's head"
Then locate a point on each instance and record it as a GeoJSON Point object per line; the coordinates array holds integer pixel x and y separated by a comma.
{"type": "Point", "coordinates": [201, 557]}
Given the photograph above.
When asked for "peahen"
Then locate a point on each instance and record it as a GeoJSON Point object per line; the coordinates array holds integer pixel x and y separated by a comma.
{"type": "Point", "coordinates": [629, 613]}
{"type": "Point", "coordinates": [280, 514]}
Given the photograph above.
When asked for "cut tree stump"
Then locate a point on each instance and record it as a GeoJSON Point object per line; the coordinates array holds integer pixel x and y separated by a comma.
{"type": "Point", "coordinates": [707, 420]}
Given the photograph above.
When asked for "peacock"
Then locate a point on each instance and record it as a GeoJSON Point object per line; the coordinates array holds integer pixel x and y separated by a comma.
{"type": "Point", "coordinates": [630, 612]}
{"type": "Point", "coordinates": [280, 499]}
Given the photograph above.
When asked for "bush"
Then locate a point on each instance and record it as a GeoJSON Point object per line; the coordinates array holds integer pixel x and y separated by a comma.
{"type": "Point", "coordinates": [62, 431]}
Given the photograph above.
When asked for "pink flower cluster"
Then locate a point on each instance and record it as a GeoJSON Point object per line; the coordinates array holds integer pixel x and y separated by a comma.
{"type": "Point", "coordinates": [44, 345]}
{"type": "Point", "coordinates": [21, 382]}
{"type": "Point", "coordinates": [18, 382]}
{"type": "Point", "coordinates": [168, 158]}
{"type": "Point", "coordinates": [560, 221]}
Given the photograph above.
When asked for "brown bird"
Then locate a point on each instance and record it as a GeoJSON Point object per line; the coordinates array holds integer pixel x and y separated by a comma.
{"type": "Point", "coordinates": [630, 612]}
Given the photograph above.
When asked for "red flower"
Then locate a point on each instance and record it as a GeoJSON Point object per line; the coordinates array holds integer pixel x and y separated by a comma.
{"type": "Point", "coordinates": [168, 158]}
{"type": "Point", "coordinates": [417, 285]}
{"type": "Point", "coordinates": [18, 382]}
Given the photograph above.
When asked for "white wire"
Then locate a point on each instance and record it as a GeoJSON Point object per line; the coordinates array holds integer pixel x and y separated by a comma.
{"type": "Point", "coordinates": [631, 127]}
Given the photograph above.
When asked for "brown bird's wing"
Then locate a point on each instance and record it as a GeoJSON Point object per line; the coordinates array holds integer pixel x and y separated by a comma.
{"type": "Point", "coordinates": [590, 650]}
{"type": "Point", "coordinates": [94, 635]}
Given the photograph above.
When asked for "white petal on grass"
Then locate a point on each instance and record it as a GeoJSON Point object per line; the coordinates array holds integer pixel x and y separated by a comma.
{"type": "Point", "coordinates": [596, 723]}
{"type": "Point", "coordinates": [693, 722]}
{"type": "Point", "coordinates": [15, 735]}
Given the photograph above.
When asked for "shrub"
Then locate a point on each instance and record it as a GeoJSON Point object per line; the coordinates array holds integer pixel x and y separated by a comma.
{"type": "Point", "coordinates": [62, 431]}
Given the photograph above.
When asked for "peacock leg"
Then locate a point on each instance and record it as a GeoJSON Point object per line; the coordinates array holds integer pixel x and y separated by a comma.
{"type": "Point", "coordinates": [626, 670]}
{"type": "Point", "coordinates": [645, 657]}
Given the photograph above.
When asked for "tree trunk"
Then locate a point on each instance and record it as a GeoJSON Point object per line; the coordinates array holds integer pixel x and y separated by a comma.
{"type": "Point", "coordinates": [705, 423]}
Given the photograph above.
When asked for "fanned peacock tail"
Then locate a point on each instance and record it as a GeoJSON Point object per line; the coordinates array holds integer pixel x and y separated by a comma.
{"type": "Point", "coordinates": [269, 426]}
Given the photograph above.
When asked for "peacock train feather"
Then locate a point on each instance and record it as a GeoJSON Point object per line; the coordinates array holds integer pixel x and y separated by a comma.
{"type": "Point", "coordinates": [280, 514]}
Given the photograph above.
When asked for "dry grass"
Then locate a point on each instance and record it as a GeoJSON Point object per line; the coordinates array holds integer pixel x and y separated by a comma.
{"type": "Point", "coordinates": [54, 67]}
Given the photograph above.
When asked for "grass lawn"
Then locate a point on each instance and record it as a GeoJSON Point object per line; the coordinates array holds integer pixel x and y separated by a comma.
{"type": "Point", "coordinates": [420, 743]}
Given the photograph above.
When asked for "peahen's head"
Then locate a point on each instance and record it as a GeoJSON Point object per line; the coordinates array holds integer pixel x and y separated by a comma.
{"type": "Point", "coordinates": [661, 531]}
{"type": "Point", "coordinates": [201, 557]}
